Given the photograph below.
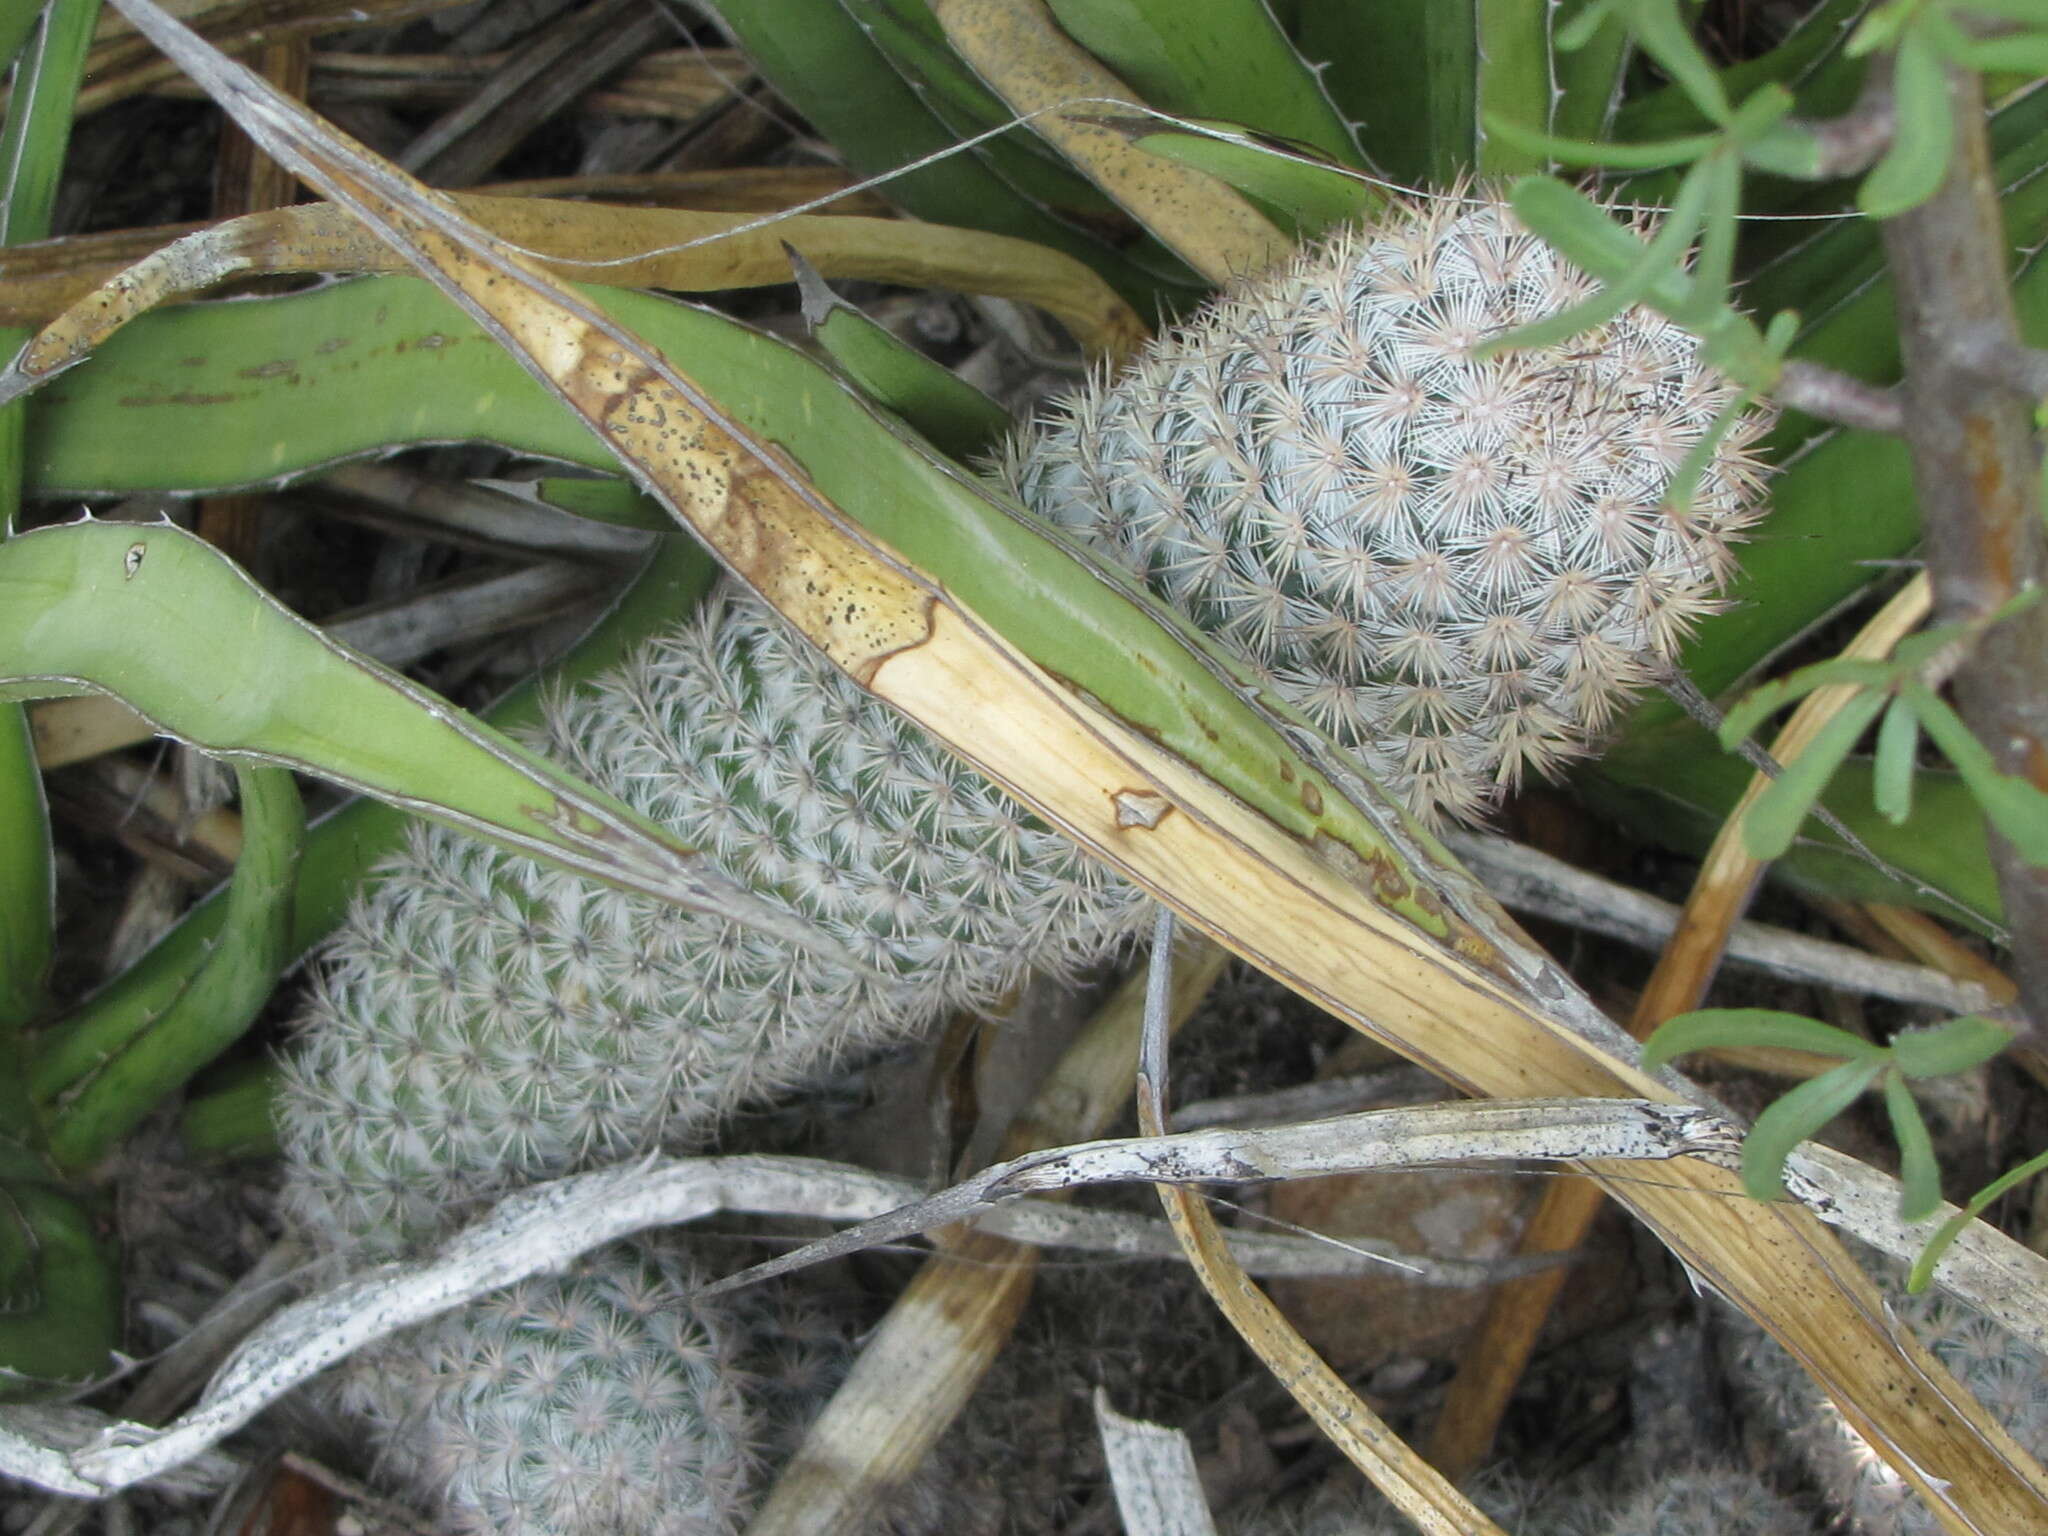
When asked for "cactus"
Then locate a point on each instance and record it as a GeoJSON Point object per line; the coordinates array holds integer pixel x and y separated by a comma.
{"type": "Point", "coordinates": [591, 1401]}
{"type": "Point", "coordinates": [2004, 1374]}
{"type": "Point", "coordinates": [1458, 568]}
{"type": "Point", "coordinates": [485, 1023]}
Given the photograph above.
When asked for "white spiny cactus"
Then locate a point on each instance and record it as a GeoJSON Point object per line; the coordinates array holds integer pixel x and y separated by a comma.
{"type": "Point", "coordinates": [485, 1022]}
{"type": "Point", "coordinates": [1458, 568]}
{"type": "Point", "coordinates": [599, 1400]}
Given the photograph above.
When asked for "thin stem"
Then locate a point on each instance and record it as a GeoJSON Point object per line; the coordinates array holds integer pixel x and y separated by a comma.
{"type": "Point", "coordinates": [1975, 468]}
{"type": "Point", "coordinates": [1837, 397]}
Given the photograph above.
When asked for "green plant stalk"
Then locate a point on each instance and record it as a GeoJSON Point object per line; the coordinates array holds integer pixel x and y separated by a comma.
{"type": "Point", "coordinates": [62, 1316]}
{"type": "Point", "coordinates": [341, 850]}
{"type": "Point", "coordinates": [223, 996]}
{"type": "Point", "coordinates": [233, 1120]}
{"type": "Point", "coordinates": [32, 144]}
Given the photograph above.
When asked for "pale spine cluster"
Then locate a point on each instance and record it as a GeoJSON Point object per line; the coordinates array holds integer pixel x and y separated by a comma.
{"type": "Point", "coordinates": [1458, 568]}
{"type": "Point", "coordinates": [486, 1023]}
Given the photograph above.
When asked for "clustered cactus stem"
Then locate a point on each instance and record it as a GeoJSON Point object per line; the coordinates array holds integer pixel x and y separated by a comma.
{"type": "Point", "coordinates": [1459, 566]}
{"type": "Point", "coordinates": [485, 1022]}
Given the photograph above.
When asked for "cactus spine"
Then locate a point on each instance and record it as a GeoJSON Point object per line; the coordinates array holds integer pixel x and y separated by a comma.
{"type": "Point", "coordinates": [1458, 567]}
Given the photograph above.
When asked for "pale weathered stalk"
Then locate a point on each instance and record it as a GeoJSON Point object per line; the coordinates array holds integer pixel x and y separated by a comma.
{"type": "Point", "coordinates": [1975, 468]}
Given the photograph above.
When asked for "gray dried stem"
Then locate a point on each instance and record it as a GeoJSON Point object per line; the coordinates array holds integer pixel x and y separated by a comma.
{"type": "Point", "coordinates": [1975, 468]}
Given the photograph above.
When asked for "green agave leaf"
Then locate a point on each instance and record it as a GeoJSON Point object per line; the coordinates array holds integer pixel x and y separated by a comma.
{"type": "Point", "coordinates": [1420, 74]}
{"type": "Point", "coordinates": [1310, 196]}
{"type": "Point", "coordinates": [605, 501]}
{"type": "Point", "coordinates": [69, 1322]}
{"type": "Point", "coordinates": [911, 38]}
{"type": "Point", "coordinates": [820, 61]}
{"type": "Point", "coordinates": [341, 851]}
{"type": "Point", "coordinates": [222, 998]}
{"type": "Point", "coordinates": [49, 56]}
{"type": "Point", "coordinates": [1919, 1174]}
{"type": "Point", "coordinates": [1223, 59]}
{"type": "Point", "coordinates": [1777, 814]}
{"type": "Point", "coordinates": [1713, 1028]}
{"type": "Point", "coordinates": [1794, 1118]}
{"type": "Point", "coordinates": [235, 674]}
{"type": "Point", "coordinates": [1937, 1050]}
{"type": "Point", "coordinates": [1587, 79]}
{"type": "Point", "coordinates": [955, 417]}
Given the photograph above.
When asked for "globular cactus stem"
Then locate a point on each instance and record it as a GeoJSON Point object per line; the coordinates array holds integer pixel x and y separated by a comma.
{"type": "Point", "coordinates": [1458, 567]}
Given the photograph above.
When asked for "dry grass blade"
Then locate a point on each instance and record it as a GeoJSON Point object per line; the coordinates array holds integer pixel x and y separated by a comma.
{"type": "Point", "coordinates": [1499, 1350]}
{"type": "Point", "coordinates": [625, 247]}
{"type": "Point", "coordinates": [1020, 51]}
{"type": "Point", "coordinates": [1416, 1488]}
{"type": "Point", "coordinates": [1378, 926]}
{"type": "Point", "coordinates": [922, 1363]}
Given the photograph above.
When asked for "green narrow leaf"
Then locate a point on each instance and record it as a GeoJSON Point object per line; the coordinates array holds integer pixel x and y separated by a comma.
{"type": "Point", "coordinates": [1309, 195]}
{"type": "Point", "coordinates": [343, 847]}
{"type": "Point", "coordinates": [1224, 59]}
{"type": "Point", "coordinates": [1661, 32]}
{"type": "Point", "coordinates": [2015, 807]}
{"type": "Point", "coordinates": [1923, 1267]}
{"type": "Point", "coordinates": [1919, 1174]}
{"type": "Point", "coordinates": [223, 997]}
{"type": "Point", "coordinates": [1922, 138]}
{"type": "Point", "coordinates": [1714, 1028]}
{"type": "Point", "coordinates": [1761, 703]}
{"type": "Point", "coordinates": [1660, 262]}
{"type": "Point", "coordinates": [1938, 1050]}
{"type": "Point", "coordinates": [1898, 744]}
{"type": "Point", "coordinates": [1794, 1118]}
{"type": "Point", "coordinates": [237, 675]}
{"type": "Point", "coordinates": [955, 417]}
{"type": "Point", "coordinates": [1774, 819]}
{"type": "Point", "coordinates": [1626, 157]}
